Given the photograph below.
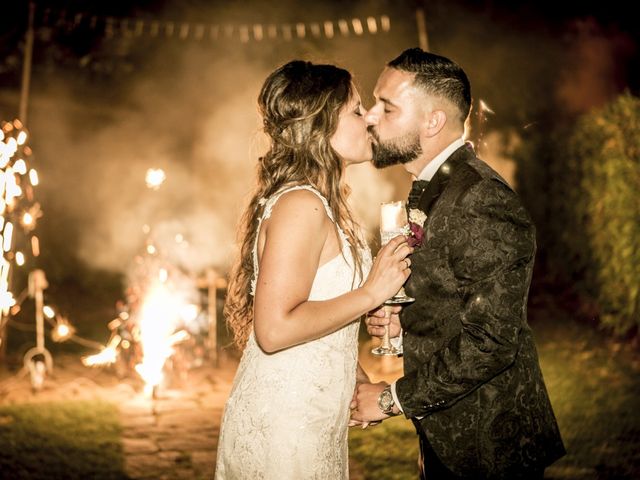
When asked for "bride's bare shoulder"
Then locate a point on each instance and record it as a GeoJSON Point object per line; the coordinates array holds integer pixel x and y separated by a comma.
{"type": "Point", "coordinates": [301, 205]}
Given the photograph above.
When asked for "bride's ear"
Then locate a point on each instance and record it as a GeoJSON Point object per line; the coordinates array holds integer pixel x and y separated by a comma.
{"type": "Point", "coordinates": [434, 122]}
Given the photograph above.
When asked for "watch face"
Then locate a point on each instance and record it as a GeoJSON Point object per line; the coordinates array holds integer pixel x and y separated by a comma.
{"type": "Point", "coordinates": [386, 400]}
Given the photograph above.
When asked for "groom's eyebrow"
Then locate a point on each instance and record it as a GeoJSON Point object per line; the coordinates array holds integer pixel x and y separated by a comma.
{"type": "Point", "coordinates": [387, 101]}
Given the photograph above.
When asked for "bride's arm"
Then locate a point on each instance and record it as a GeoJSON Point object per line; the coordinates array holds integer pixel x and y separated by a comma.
{"type": "Point", "coordinates": [295, 236]}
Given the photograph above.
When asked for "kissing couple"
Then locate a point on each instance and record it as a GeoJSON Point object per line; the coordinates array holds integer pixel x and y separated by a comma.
{"type": "Point", "coordinates": [472, 384]}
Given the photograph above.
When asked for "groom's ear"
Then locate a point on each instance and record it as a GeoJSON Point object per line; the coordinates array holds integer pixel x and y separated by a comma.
{"type": "Point", "coordinates": [434, 122]}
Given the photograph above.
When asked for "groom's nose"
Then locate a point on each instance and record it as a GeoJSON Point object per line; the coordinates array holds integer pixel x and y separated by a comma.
{"type": "Point", "coordinates": [371, 118]}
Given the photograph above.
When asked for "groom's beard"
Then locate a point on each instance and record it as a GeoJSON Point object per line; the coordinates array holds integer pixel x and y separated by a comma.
{"type": "Point", "coordinates": [397, 151]}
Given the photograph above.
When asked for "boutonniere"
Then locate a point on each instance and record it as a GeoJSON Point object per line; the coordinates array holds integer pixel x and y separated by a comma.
{"type": "Point", "coordinates": [416, 231]}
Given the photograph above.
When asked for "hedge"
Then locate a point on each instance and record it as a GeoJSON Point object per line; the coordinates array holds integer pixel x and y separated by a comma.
{"type": "Point", "coordinates": [582, 184]}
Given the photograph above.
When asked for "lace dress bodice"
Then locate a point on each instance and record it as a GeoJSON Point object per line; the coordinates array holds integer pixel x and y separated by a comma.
{"type": "Point", "coordinates": [287, 415]}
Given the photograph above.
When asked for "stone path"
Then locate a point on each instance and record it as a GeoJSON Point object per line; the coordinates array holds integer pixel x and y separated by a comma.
{"type": "Point", "coordinates": [174, 436]}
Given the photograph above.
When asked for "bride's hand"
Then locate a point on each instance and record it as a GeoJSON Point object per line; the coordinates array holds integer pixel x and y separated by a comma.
{"type": "Point", "coordinates": [363, 425]}
{"type": "Point", "coordinates": [390, 270]}
{"type": "Point", "coordinates": [353, 406]}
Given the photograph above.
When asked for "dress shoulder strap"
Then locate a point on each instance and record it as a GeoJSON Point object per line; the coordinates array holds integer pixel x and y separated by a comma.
{"type": "Point", "coordinates": [269, 203]}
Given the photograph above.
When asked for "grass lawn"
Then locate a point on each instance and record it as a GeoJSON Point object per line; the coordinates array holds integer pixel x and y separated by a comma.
{"type": "Point", "coordinates": [387, 451]}
{"type": "Point", "coordinates": [594, 385]}
{"type": "Point", "coordinates": [61, 440]}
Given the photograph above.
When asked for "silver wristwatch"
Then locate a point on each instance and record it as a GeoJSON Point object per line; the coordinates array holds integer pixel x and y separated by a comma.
{"type": "Point", "coordinates": [385, 401]}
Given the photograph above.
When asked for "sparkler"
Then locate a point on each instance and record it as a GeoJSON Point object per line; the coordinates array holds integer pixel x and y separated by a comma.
{"type": "Point", "coordinates": [159, 310]}
{"type": "Point", "coordinates": [63, 330]}
{"type": "Point", "coordinates": [483, 111]}
{"type": "Point", "coordinates": [161, 318]}
{"type": "Point", "coordinates": [107, 355]}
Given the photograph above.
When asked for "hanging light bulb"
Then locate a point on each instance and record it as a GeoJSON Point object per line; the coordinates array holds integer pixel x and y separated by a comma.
{"type": "Point", "coordinates": [33, 177]}
{"type": "Point", "coordinates": [8, 234]}
{"type": "Point", "coordinates": [20, 166]}
{"type": "Point", "coordinates": [48, 311]}
{"type": "Point", "coordinates": [22, 137]}
{"type": "Point", "coordinates": [35, 246]}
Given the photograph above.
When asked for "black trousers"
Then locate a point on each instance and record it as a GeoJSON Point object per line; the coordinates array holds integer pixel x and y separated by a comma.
{"type": "Point", "coordinates": [431, 468]}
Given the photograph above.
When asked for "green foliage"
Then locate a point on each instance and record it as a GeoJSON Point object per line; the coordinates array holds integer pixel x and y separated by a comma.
{"type": "Point", "coordinates": [589, 220]}
{"type": "Point", "coordinates": [604, 154]}
{"type": "Point", "coordinates": [70, 440]}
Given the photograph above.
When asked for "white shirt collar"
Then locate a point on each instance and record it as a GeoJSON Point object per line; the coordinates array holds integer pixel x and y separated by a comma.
{"type": "Point", "coordinates": [432, 167]}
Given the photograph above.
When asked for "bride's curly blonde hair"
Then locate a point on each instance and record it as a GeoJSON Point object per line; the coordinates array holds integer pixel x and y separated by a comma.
{"type": "Point", "coordinates": [300, 103]}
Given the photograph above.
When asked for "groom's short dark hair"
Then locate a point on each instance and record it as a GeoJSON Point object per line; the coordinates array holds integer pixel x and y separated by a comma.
{"type": "Point", "coordinates": [438, 76]}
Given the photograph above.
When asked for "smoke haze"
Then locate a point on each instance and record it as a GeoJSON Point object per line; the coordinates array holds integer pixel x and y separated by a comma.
{"type": "Point", "coordinates": [189, 107]}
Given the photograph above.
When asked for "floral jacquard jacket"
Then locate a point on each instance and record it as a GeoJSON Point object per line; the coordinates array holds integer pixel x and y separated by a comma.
{"type": "Point", "coordinates": [472, 382]}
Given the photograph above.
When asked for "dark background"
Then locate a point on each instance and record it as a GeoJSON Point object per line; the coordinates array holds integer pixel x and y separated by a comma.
{"type": "Point", "coordinates": [103, 108]}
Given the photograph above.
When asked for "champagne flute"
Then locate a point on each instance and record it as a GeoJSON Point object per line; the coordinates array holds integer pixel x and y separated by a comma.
{"type": "Point", "coordinates": [393, 222]}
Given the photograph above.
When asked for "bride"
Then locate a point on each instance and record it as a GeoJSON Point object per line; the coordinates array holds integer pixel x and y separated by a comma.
{"type": "Point", "coordinates": [303, 280]}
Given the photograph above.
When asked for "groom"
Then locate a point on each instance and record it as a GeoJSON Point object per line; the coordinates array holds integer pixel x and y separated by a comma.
{"type": "Point", "coordinates": [472, 385]}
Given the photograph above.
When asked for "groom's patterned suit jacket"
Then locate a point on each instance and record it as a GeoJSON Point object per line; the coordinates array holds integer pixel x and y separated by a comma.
{"type": "Point", "coordinates": [471, 380]}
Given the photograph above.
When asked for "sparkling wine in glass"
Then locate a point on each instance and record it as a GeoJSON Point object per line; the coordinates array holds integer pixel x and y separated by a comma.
{"type": "Point", "coordinates": [393, 222]}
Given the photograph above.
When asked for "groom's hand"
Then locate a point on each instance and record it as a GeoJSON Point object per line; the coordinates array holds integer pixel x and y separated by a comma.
{"type": "Point", "coordinates": [377, 319]}
{"type": "Point", "coordinates": [367, 409]}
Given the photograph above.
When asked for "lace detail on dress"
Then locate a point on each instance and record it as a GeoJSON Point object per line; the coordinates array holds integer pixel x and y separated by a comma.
{"type": "Point", "coordinates": [287, 415]}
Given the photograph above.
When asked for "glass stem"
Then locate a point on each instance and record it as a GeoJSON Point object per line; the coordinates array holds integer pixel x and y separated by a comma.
{"type": "Point", "coordinates": [386, 343]}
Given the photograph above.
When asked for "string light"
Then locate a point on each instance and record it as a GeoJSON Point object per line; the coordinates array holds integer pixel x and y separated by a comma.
{"type": "Point", "coordinates": [244, 33]}
{"type": "Point", "coordinates": [33, 177]}
{"type": "Point", "coordinates": [19, 215]}
{"type": "Point", "coordinates": [18, 210]}
{"type": "Point", "coordinates": [7, 236]}
{"type": "Point", "coordinates": [48, 311]}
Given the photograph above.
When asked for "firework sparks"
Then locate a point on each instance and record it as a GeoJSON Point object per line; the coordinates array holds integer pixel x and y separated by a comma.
{"type": "Point", "coordinates": [107, 356]}
{"type": "Point", "coordinates": [155, 178]}
{"type": "Point", "coordinates": [159, 321]}
{"type": "Point", "coordinates": [63, 330]}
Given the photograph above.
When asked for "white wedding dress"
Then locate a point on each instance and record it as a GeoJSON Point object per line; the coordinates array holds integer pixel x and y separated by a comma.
{"type": "Point", "coordinates": [287, 415]}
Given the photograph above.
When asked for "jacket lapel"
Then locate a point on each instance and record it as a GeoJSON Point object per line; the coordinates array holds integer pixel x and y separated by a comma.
{"type": "Point", "coordinates": [440, 180]}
